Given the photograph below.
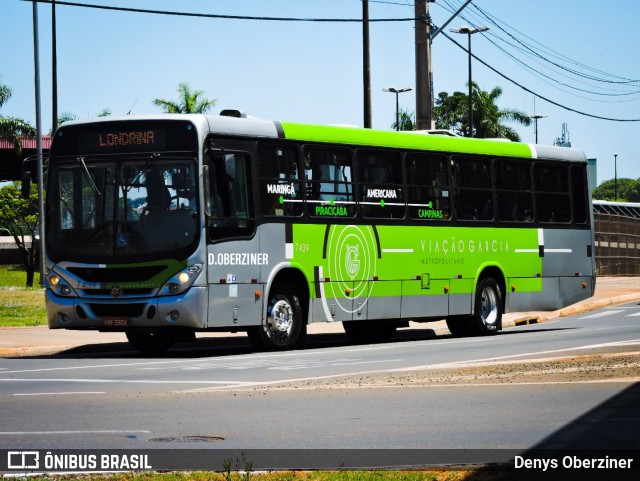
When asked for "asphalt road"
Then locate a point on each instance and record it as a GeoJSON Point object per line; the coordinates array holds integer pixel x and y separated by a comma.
{"type": "Point", "coordinates": [421, 392]}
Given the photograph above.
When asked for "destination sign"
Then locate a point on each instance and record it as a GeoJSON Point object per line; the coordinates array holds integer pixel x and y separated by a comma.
{"type": "Point", "coordinates": [113, 139]}
{"type": "Point", "coordinates": [120, 140]}
{"type": "Point", "coordinates": [125, 136]}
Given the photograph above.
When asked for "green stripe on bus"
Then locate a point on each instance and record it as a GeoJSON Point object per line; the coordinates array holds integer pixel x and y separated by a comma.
{"type": "Point", "coordinates": [351, 255]}
{"type": "Point", "coordinates": [404, 140]}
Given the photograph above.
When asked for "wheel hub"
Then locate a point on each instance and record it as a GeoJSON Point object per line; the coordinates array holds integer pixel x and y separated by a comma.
{"type": "Point", "coordinates": [489, 306]}
{"type": "Point", "coordinates": [281, 317]}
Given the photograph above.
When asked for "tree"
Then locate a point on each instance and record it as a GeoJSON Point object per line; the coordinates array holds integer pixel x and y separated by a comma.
{"type": "Point", "coordinates": [452, 113]}
{"type": "Point", "coordinates": [488, 117]}
{"type": "Point", "coordinates": [69, 116]}
{"type": "Point", "coordinates": [628, 190]}
{"type": "Point", "coordinates": [189, 102]}
{"type": "Point", "coordinates": [20, 217]}
{"type": "Point", "coordinates": [407, 120]}
{"type": "Point", "coordinates": [11, 128]}
{"type": "Point", "coordinates": [66, 117]}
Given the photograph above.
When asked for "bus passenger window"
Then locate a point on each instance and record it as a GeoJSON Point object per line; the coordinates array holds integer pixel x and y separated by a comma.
{"type": "Point", "coordinates": [552, 193]}
{"type": "Point", "coordinates": [471, 177]}
{"type": "Point", "coordinates": [328, 182]}
{"type": "Point", "coordinates": [428, 186]}
{"type": "Point", "coordinates": [579, 194]}
{"type": "Point", "coordinates": [280, 185]}
{"type": "Point", "coordinates": [380, 184]}
{"type": "Point", "coordinates": [513, 191]}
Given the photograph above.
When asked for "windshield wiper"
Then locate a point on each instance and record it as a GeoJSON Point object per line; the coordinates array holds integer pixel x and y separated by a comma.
{"type": "Point", "coordinates": [88, 176]}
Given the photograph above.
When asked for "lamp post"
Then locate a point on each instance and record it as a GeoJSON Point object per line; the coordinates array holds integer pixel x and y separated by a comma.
{"type": "Point", "coordinates": [469, 31]}
{"type": "Point", "coordinates": [396, 91]}
{"type": "Point", "coordinates": [535, 118]}
{"type": "Point", "coordinates": [615, 176]}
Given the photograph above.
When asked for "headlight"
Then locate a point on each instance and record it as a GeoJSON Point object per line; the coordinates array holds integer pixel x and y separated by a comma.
{"type": "Point", "coordinates": [59, 286]}
{"type": "Point", "coordinates": [182, 281]}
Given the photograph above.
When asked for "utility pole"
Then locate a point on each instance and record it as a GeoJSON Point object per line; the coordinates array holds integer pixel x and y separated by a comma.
{"type": "Point", "coordinates": [424, 72]}
{"type": "Point", "coordinates": [36, 64]}
{"type": "Point", "coordinates": [54, 70]}
{"type": "Point", "coordinates": [366, 64]}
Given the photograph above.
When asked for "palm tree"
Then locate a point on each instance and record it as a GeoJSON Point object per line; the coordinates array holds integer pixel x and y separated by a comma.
{"type": "Point", "coordinates": [488, 117]}
{"type": "Point", "coordinates": [69, 116]}
{"type": "Point", "coordinates": [452, 112]}
{"type": "Point", "coordinates": [11, 128]}
{"type": "Point", "coordinates": [190, 102]}
{"type": "Point", "coordinates": [407, 120]}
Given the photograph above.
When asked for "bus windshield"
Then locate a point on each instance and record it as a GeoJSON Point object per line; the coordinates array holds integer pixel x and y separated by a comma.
{"type": "Point", "coordinates": [122, 208]}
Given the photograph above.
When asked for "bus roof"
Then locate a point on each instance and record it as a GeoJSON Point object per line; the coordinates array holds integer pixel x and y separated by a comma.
{"type": "Point", "coordinates": [253, 127]}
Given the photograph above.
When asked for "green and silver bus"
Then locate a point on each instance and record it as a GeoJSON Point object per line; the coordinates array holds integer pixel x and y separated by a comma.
{"type": "Point", "coordinates": [167, 225]}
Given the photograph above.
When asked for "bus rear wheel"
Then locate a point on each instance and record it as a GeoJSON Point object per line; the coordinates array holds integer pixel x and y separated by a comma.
{"type": "Point", "coordinates": [487, 313]}
{"type": "Point", "coordinates": [284, 327]}
{"type": "Point", "coordinates": [152, 342]}
{"type": "Point", "coordinates": [488, 307]}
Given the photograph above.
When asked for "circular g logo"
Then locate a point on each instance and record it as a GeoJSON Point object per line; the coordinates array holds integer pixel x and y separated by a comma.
{"type": "Point", "coordinates": [351, 254]}
{"type": "Point", "coordinates": [351, 261]}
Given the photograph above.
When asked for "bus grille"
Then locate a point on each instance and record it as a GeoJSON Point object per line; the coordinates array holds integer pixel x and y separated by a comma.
{"type": "Point", "coordinates": [123, 292]}
{"type": "Point", "coordinates": [117, 274]}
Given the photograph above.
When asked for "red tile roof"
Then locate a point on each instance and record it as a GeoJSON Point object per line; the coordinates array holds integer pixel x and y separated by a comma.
{"type": "Point", "coordinates": [27, 142]}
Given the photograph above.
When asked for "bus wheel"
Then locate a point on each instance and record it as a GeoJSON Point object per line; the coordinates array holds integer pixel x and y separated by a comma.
{"type": "Point", "coordinates": [285, 325]}
{"type": "Point", "coordinates": [363, 331]}
{"type": "Point", "coordinates": [151, 342]}
{"type": "Point", "coordinates": [488, 307]}
{"type": "Point", "coordinates": [487, 316]}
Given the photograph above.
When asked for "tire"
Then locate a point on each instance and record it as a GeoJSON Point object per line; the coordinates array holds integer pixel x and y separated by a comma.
{"type": "Point", "coordinates": [151, 342]}
{"type": "Point", "coordinates": [285, 326]}
{"type": "Point", "coordinates": [488, 308]}
{"type": "Point", "coordinates": [486, 319]}
{"type": "Point", "coordinates": [369, 331]}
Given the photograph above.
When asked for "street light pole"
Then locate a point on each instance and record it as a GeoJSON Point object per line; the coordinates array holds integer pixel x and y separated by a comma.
{"type": "Point", "coordinates": [397, 92]}
{"type": "Point", "coordinates": [615, 176]}
{"type": "Point", "coordinates": [535, 118]}
{"type": "Point", "coordinates": [469, 31]}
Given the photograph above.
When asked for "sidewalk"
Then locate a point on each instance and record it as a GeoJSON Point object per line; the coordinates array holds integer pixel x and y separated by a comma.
{"type": "Point", "coordinates": [41, 341]}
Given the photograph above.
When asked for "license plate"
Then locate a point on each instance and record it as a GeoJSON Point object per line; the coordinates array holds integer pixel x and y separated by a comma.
{"type": "Point", "coordinates": [115, 322]}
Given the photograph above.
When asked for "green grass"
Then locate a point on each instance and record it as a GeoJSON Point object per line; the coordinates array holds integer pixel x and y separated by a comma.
{"type": "Point", "coordinates": [277, 476]}
{"type": "Point", "coordinates": [20, 306]}
{"type": "Point", "coordinates": [479, 474]}
{"type": "Point", "coordinates": [14, 275]}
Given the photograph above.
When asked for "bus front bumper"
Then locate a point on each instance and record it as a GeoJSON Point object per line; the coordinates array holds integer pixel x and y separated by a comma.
{"type": "Point", "coordinates": [188, 309]}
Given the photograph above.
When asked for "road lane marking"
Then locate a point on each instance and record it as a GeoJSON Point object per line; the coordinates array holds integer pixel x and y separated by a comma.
{"type": "Point", "coordinates": [104, 431]}
{"type": "Point", "coordinates": [629, 342]}
{"type": "Point", "coordinates": [67, 393]}
{"type": "Point", "coordinates": [121, 381]}
{"type": "Point", "coordinates": [279, 365]}
{"type": "Point", "coordinates": [601, 314]}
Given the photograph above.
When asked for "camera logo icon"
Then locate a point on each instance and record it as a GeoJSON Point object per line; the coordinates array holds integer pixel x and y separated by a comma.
{"type": "Point", "coordinates": [23, 460]}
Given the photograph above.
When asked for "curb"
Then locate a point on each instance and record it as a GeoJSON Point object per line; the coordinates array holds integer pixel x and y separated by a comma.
{"type": "Point", "coordinates": [571, 310]}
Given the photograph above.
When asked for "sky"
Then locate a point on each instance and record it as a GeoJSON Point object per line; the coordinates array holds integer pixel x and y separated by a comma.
{"type": "Point", "coordinates": [312, 71]}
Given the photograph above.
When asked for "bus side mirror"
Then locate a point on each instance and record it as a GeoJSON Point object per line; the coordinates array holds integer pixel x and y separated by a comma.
{"type": "Point", "coordinates": [26, 185]}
